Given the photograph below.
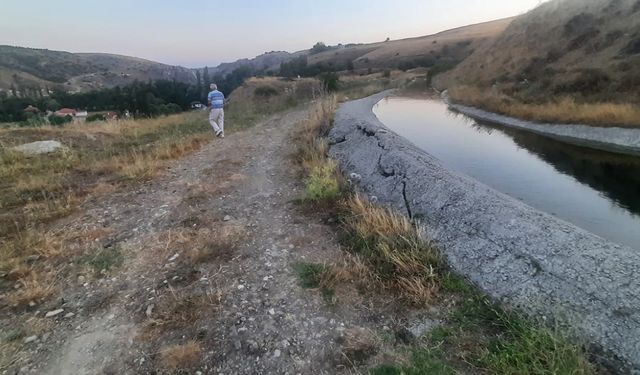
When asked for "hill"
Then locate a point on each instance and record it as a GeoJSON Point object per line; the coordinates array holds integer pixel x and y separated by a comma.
{"type": "Point", "coordinates": [444, 49]}
{"type": "Point", "coordinates": [588, 50]}
{"type": "Point", "coordinates": [451, 45]}
{"type": "Point", "coordinates": [29, 70]}
{"type": "Point", "coordinates": [266, 61]}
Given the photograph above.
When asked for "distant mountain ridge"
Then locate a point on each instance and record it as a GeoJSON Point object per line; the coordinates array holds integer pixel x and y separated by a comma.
{"type": "Point", "coordinates": [28, 69]}
{"type": "Point", "coordinates": [32, 71]}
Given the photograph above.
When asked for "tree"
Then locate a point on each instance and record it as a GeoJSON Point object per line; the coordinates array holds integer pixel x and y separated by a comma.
{"type": "Point", "coordinates": [319, 47]}
{"type": "Point", "coordinates": [198, 85]}
{"type": "Point", "coordinates": [350, 66]}
{"type": "Point", "coordinates": [60, 121]}
{"type": "Point", "coordinates": [206, 81]}
{"type": "Point", "coordinates": [330, 81]}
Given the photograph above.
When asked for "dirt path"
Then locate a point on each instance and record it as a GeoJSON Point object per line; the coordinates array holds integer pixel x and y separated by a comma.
{"type": "Point", "coordinates": [208, 251]}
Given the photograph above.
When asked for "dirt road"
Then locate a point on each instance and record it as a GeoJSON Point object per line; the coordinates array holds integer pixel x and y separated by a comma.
{"type": "Point", "coordinates": [206, 283]}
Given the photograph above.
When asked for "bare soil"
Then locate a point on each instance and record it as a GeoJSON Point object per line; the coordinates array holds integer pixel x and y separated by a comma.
{"type": "Point", "coordinates": [206, 256]}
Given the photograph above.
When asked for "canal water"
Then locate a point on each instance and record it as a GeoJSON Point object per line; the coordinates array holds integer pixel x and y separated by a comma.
{"type": "Point", "coordinates": [595, 190]}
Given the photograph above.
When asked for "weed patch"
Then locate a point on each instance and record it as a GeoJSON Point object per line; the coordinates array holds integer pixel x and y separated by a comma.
{"type": "Point", "coordinates": [316, 276]}
{"type": "Point", "coordinates": [504, 342]}
{"type": "Point", "coordinates": [105, 259]}
{"type": "Point", "coordinates": [423, 361]}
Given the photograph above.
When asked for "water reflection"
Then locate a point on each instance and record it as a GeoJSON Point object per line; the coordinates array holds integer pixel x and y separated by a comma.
{"type": "Point", "coordinates": [596, 190]}
{"type": "Point", "coordinates": [615, 176]}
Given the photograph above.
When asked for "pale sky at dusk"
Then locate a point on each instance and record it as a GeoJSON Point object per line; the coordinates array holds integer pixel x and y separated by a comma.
{"type": "Point", "coordinates": [197, 32]}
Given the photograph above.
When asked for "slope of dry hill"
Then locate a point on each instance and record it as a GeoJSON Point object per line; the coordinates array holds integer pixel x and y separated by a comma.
{"type": "Point", "coordinates": [453, 45]}
{"type": "Point", "coordinates": [586, 49]}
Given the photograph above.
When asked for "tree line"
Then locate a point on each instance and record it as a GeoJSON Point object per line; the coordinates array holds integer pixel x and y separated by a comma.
{"type": "Point", "coordinates": [142, 99]}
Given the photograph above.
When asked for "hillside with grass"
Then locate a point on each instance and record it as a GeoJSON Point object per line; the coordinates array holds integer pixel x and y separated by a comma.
{"type": "Point", "coordinates": [446, 49]}
{"type": "Point", "coordinates": [29, 71]}
{"type": "Point", "coordinates": [565, 61]}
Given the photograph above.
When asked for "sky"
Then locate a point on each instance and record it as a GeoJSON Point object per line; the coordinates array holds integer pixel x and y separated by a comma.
{"type": "Point", "coordinates": [195, 33]}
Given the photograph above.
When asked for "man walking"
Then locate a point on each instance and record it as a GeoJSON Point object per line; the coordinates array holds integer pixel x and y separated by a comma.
{"type": "Point", "coordinates": [216, 106]}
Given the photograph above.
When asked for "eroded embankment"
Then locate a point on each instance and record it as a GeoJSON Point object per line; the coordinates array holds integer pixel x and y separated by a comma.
{"type": "Point", "coordinates": [620, 140]}
{"type": "Point", "coordinates": [523, 257]}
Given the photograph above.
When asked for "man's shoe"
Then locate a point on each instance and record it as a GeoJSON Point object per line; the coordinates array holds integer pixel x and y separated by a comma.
{"type": "Point", "coordinates": [219, 134]}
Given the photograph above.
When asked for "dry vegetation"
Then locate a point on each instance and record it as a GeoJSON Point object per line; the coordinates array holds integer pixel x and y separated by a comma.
{"type": "Point", "coordinates": [36, 190]}
{"type": "Point", "coordinates": [392, 54]}
{"type": "Point", "coordinates": [99, 159]}
{"type": "Point", "coordinates": [40, 256]}
{"type": "Point", "coordinates": [566, 61]}
{"type": "Point", "coordinates": [562, 110]}
{"type": "Point", "coordinates": [181, 357]}
{"type": "Point", "coordinates": [388, 253]}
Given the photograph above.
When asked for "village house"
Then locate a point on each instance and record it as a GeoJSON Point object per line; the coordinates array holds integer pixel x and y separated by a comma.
{"type": "Point", "coordinates": [65, 112]}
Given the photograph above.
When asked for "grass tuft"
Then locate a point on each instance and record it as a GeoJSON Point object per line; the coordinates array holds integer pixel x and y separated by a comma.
{"type": "Point", "coordinates": [181, 357]}
{"type": "Point", "coordinates": [423, 361]}
{"type": "Point", "coordinates": [322, 183]}
{"type": "Point", "coordinates": [34, 287]}
{"type": "Point", "coordinates": [106, 259]}
{"type": "Point", "coordinates": [317, 276]}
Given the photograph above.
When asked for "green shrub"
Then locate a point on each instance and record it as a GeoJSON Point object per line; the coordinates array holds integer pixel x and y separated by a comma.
{"type": "Point", "coordinates": [60, 121]}
{"type": "Point", "coordinates": [34, 120]}
{"type": "Point", "coordinates": [96, 117]}
{"type": "Point", "coordinates": [265, 91]}
{"type": "Point", "coordinates": [310, 274]}
{"type": "Point", "coordinates": [330, 80]}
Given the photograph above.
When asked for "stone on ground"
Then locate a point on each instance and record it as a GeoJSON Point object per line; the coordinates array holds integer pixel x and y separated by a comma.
{"type": "Point", "coordinates": [40, 147]}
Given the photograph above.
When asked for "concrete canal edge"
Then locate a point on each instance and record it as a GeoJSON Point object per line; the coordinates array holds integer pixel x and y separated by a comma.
{"type": "Point", "coordinates": [525, 258]}
{"type": "Point", "coordinates": [619, 140]}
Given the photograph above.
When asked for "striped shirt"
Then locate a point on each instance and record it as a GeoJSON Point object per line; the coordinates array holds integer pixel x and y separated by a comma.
{"type": "Point", "coordinates": [216, 98]}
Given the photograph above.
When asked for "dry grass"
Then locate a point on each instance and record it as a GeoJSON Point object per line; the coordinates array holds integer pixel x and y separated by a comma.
{"type": "Point", "coordinates": [34, 287]}
{"type": "Point", "coordinates": [179, 310]}
{"type": "Point", "coordinates": [359, 344]}
{"type": "Point", "coordinates": [181, 357]}
{"type": "Point", "coordinates": [312, 147]}
{"type": "Point", "coordinates": [323, 178]}
{"type": "Point", "coordinates": [395, 250]}
{"type": "Point", "coordinates": [389, 54]}
{"type": "Point", "coordinates": [563, 110]}
{"type": "Point", "coordinates": [247, 106]}
{"type": "Point", "coordinates": [387, 242]}
{"type": "Point", "coordinates": [36, 190]}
